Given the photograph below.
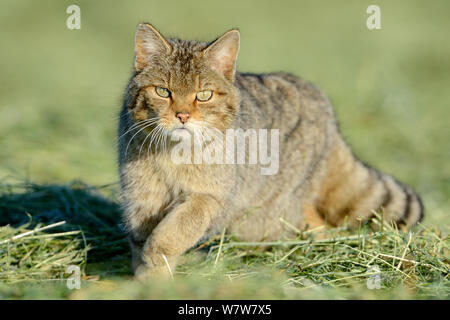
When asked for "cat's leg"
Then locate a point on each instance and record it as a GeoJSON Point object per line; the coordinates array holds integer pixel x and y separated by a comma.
{"type": "Point", "coordinates": [136, 247]}
{"type": "Point", "coordinates": [179, 230]}
{"type": "Point", "coordinates": [146, 200]}
{"type": "Point", "coordinates": [142, 222]}
{"type": "Point", "coordinates": [311, 218]}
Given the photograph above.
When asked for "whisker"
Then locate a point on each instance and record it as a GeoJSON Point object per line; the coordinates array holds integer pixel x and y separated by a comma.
{"type": "Point", "coordinates": [136, 125]}
{"type": "Point", "coordinates": [163, 140]}
{"type": "Point", "coordinates": [166, 134]}
{"type": "Point", "coordinates": [197, 137]}
{"type": "Point", "coordinates": [159, 138]}
{"type": "Point", "coordinates": [157, 129]}
{"type": "Point", "coordinates": [143, 143]}
{"type": "Point", "coordinates": [128, 145]}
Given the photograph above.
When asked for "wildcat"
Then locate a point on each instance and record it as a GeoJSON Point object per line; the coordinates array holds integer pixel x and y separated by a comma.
{"type": "Point", "coordinates": [180, 87]}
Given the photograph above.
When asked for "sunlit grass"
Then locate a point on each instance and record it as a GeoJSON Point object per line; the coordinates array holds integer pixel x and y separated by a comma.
{"type": "Point", "coordinates": [409, 264]}
{"type": "Point", "coordinates": [59, 101]}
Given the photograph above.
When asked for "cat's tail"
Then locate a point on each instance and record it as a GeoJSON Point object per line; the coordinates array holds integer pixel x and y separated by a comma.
{"type": "Point", "coordinates": [402, 203]}
{"type": "Point", "coordinates": [352, 190]}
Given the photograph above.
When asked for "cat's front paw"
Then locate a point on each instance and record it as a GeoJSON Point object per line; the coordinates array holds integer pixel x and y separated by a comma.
{"type": "Point", "coordinates": [156, 266]}
{"type": "Point", "coordinates": [144, 273]}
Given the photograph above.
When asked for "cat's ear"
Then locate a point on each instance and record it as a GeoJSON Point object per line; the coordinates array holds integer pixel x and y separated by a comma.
{"type": "Point", "coordinates": [148, 43]}
{"type": "Point", "coordinates": [222, 54]}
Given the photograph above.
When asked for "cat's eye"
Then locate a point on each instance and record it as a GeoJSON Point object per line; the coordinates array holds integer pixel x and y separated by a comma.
{"type": "Point", "coordinates": [162, 92]}
{"type": "Point", "coordinates": [204, 95]}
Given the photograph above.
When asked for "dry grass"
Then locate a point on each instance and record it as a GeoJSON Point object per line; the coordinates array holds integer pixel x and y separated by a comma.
{"type": "Point", "coordinates": [410, 264]}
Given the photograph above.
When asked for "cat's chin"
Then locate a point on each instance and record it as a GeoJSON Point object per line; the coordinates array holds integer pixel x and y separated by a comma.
{"type": "Point", "coordinates": [180, 134]}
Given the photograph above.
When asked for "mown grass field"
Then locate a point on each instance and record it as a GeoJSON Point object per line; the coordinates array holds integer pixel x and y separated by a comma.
{"type": "Point", "coordinates": [59, 100]}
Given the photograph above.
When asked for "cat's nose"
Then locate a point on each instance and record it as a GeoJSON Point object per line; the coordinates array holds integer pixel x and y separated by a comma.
{"type": "Point", "coordinates": [183, 116]}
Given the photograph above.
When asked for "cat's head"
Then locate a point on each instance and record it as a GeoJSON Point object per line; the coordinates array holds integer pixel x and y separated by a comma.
{"type": "Point", "coordinates": [183, 86]}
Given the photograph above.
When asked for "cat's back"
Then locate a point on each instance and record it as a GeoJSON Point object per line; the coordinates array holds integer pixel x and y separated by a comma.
{"type": "Point", "coordinates": [281, 100]}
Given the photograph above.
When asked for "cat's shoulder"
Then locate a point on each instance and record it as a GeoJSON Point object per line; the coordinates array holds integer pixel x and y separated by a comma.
{"type": "Point", "coordinates": [277, 82]}
{"type": "Point", "coordinates": [246, 78]}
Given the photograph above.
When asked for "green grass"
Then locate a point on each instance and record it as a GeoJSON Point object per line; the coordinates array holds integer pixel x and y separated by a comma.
{"type": "Point", "coordinates": [59, 101]}
{"type": "Point", "coordinates": [410, 265]}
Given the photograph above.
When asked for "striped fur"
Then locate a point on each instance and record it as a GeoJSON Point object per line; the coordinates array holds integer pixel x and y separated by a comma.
{"type": "Point", "coordinates": [352, 189]}
{"type": "Point", "coordinates": [168, 208]}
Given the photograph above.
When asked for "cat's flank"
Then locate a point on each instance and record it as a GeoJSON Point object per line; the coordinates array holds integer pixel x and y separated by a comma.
{"type": "Point", "coordinates": [182, 87]}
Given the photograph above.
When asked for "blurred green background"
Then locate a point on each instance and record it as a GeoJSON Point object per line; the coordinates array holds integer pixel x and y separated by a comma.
{"type": "Point", "coordinates": [61, 89]}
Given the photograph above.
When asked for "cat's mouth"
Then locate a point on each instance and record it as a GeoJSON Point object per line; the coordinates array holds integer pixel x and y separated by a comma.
{"type": "Point", "coordinates": [180, 133]}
